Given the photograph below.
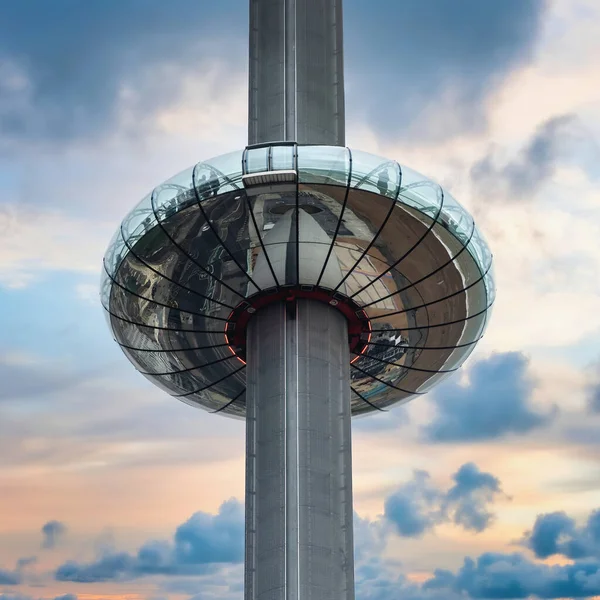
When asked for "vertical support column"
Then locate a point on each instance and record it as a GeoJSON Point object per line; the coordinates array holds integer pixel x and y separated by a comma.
{"type": "Point", "coordinates": [296, 72]}
{"type": "Point", "coordinates": [299, 533]}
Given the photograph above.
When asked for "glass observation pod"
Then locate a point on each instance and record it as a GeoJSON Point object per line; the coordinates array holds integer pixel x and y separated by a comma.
{"type": "Point", "coordinates": [198, 256]}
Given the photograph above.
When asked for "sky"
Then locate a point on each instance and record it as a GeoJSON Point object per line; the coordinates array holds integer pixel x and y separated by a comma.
{"type": "Point", "coordinates": [486, 488]}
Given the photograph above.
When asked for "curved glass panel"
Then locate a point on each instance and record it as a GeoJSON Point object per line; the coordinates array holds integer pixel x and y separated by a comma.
{"type": "Point", "coordinates": [147, 339]}
{"type": "Point", "coordinates": [323, 164]}
{"type": "Point", "coordinates": [256, 160]}
{"type": "Point", "coordinates": [168, 199]}
{"type": "Point", "coordinates": [149, 362]}
{"type": "Point", "coordinates": [223, 173]}
{"type": "Point", "coordinates": [200, 379]}
{"type": "Point", "coordinates": [345, 221]}
{"type": "Point", "coordinates": [173, 195]}
{"type": "Point", "coordinates": [480, 251]}
{"type": "Point", "coordinates": [425, 196]}
{"type": "Point", "coordinates": [283, 158]}
{"type": "Point", "coordinates": [115, 253]}
{"type": "Point", "coordinates": [490, 286]}
{"type": "Point", "coordinates": [139, 221]}
{"type": "Point", "coordinates": [411, 177]}
{"type": "Point", "coordinates": [375, 174]}
{"type": "Point", "coordinates": [456, 219]}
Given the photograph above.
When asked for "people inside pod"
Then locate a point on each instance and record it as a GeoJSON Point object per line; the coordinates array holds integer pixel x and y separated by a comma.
{"type": "Point", "coordinates": [383, 182]}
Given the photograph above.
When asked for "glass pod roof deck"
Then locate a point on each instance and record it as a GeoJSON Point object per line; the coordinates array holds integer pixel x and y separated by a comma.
{"type": "Point", "coordinates": [365, 232]}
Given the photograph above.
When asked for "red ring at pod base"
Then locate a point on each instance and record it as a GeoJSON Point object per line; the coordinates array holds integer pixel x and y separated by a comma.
{"type": "Point", "coordinates": [359, 325]}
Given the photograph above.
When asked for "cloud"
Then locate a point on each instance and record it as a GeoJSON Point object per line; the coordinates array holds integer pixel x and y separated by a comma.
{"type": "Point", "coordinates": [546, 532]}
{"type": "Point", "coordinates": [490, 575]}
{"type": "Point", "coordinates": [205, 544]}
{"type": "Point", "coordinates": [427, 69]}
{"type": "Point", "coordinates": [370, 538]}
{"type": "Point", "coordinates": [377, 577]}
{"type": "Point", "coordinates": [593, 390]}
{"type": "Point", "coordinates": [387, 585]}
{"type": "Point", "coordinates": [110, 567]}
{"type": "Point", "coordinates": [535, 165]}
{"type": "Point", "coordinates": [199, 544]}
{"type": "Point", "coordinates": [594, 395]}
{"type": "Point", "coordinates": [23, 597]}
{"type": "Point", "coordinates": [79, 68]}
{"type": "Point", "coordinates": [205, 539]}
{"type": "Point", "coordinates": [418, 506]}
{"type": "Point", "coordinates": [381, 422]}
{"type": "Point", "coordinates": [10, 577]}
{"type": "Point", "coordinates": [415, 507]}
{"type": "Point", "coordinates": [15, 576]}
{"type": "Point", "coordinates": [26, 562]}
{"type": "Point", "coordinates": [496, 575]}
{"type": "Point", "coordinates": [99, 408]}
{"type": "Point", "coordinates": [557, 534]}
{"type": "Point", "coordinates": [73, 69]}
{"type": "Point", "coordinates": [25, 377]}
{"type": "Point", "coordinates": [52, 533]}
{"type": "Point", "coordinates": [37, 240]}
{"type": "Point", "coordinates": [473, 490]}
{"type": "Point", "coordinates": [544, 252]}
{"type": "Point", "coordinates": [495, 403]}
{"type": "Point", "coordinates": [226, 583]}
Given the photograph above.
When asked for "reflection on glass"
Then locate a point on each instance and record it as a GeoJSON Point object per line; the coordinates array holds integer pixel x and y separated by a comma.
{"type": "Point", "coordinates": [425, 196]}
{"type": "Point", "coordinates": [456, 219]}
{"type": "Point", "coordinates": [282, 158]}
{"type": "Point", "coordinates": [323, 164]}
{"type": "Point", "coordinates": [257, 160]}
{"type": "Point", "coordinates": [425, 285]}
{"type": "Point", "coordinates": [376, 174]}
{"type": "Point", "coordinates": [225, 172]}
{"type": "Point", "coordinates": [490, 287]}
{"type": "Point", "coordinates": [168, 199]}
{"type": "Point", "coordinates": [139, 221]}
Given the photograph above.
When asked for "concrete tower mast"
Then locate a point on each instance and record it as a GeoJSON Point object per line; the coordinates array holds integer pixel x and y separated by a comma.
{"type": "Point", "coordinates": [296, 72]}
{"type": "Point", "coordinates": [299, 541]}
{"type": "Point", "coordinates": [295, 283]}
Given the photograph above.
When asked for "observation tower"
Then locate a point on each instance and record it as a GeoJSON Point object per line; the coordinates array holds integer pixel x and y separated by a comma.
{"type": "Point", "coordinates": [295, 283]}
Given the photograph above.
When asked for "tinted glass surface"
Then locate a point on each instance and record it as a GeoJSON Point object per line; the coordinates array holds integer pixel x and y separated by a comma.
{"type": "Point", "coordinates": [396, 243]}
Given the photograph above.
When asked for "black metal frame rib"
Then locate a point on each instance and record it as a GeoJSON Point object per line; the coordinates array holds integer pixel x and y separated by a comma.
{"type": "Point", "coordinates": [410, 368]}
{"type": "Point", "coordinates": [172, 350]}
{"type": "Point", "coordinates": [189, 369]}
{"type": "Point", "coordinates": [461, 291]}
{"type": "Point", "coordinates": [188, 256]}
{"type": "Point", "coordinates": [184, 287]}
{"type": "Point", "coordinates": [422, 347]}
{"type": "Point", "coordinates": [367, 401]}
{"type": "Point", "coordinates": [409, 251]}
{"type": "Point", "coordinates": [189, 312]}
{"type": "Point", "coordinates": [341, 216]}
{"type": "Point", "coordinates": [209, 386]}
{"type": "Point", "coordinates": [376, 258]}
{"type": "Point", "coordinates": [381, 227]}
{"type": "Point", "coordinates": [414, 283]}
{"type": "Point", "coordinates": [477, 314]}
{"type": "Point", "coordinates": [253, 217]}
{"type": "Point", "coordinates": [217, 236]}
{"type": "Point", "coordinates": [347, 246]}
{"type": "Point", "coordinates": [262, 245]}
{"type": "Point", "coordinates": [232, 401]}
{"type": "Point", "coordinates": [385, 382]}
{"type": "Point", "coordinates": [157, 327]}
